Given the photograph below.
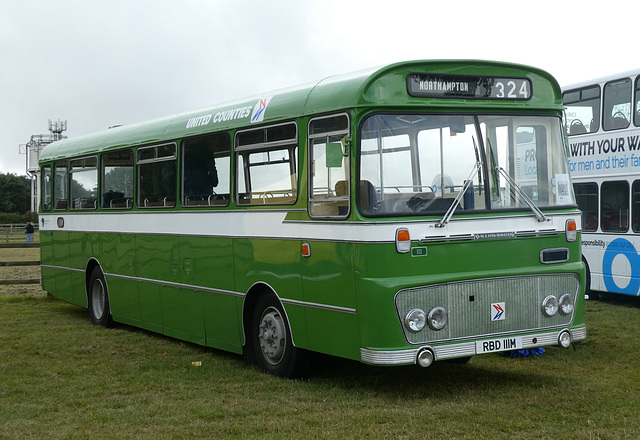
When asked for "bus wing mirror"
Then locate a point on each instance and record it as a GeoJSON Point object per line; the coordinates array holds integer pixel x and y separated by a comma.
{"type": "Point", "coordinates": [334, 154]}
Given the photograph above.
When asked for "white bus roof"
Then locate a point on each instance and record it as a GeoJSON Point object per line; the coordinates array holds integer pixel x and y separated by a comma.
{"type": "Point", "coordinates": [602, 80]}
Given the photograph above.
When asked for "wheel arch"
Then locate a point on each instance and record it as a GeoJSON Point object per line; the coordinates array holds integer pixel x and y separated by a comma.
{"type": "Point", "coordinates": [255, 292]}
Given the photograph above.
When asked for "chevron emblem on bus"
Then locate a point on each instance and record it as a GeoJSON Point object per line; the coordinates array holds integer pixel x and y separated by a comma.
{"type": "Point", "coordinates": [259, 109]}
{"type": "Point", "coordinates": [497, 311]}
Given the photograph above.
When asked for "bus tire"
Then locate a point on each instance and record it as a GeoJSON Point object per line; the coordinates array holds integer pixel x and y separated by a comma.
{"type": "Point", "coordinates": [271, 337]}
{"type": "Point", "coordinates": [591, 294]}
{"type": "Point", "coordinates": [98, 299]}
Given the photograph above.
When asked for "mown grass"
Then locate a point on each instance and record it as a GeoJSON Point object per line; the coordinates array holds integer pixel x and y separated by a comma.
{"type": "Point", "coordinates": [62, 377]}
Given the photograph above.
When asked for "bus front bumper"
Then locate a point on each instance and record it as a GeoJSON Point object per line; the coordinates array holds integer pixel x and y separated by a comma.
{"type": "Point", "coordinates": [475, 347]}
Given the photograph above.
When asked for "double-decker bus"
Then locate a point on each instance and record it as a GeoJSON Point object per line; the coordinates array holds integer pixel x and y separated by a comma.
{"type": "Point", "coordinates": [603, 128]}
{"type": "Point", "coordinates": [407, 214]}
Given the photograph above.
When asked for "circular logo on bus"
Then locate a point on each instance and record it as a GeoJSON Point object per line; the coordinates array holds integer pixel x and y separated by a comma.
{"type": "Point", "coordinates": [617, 249]}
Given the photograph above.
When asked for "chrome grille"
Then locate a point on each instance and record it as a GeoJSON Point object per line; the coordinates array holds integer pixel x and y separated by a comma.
{"type": "Point", "coordinates": [469, 305]}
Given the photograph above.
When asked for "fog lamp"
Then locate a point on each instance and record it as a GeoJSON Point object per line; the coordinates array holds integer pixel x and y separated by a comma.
{"type": "Point", "coordinates": [437, 318]}
{"type": "Point", "coordinates": [550, 305]}
{"type": "Point", "coordinates": [415, 320]}
{"type": "Point", "coordinates": [425, 357]}
{"type": "Point", "coordinates": [566, 304]}
{"type": "Point", "coordinates": [564, 339]}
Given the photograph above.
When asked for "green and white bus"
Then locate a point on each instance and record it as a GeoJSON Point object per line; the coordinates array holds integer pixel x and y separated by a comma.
{"type": "Point", "coordinates": [411, 213]}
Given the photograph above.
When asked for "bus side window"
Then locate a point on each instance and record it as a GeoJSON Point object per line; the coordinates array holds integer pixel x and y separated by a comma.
{"type": "Point", "coordinates": [329, 164]}
{"type": "Point", "coordinates": [60, 183]}
{"type": "Point", "coordinates": [587, 199]}
{"type": "Point", "coordinates": [582, 110]}
{"type": "Point", "coordinates": [614, 206]}
{"type": "Point", "coordinates": [117, 179]}
{"type": "Point", "coordinates": [206, 170]}
{"type": "Point", "coordinates": [635, 201]}
{"type": "Point", "coordinates": [636, 117]}
{"type": "Point", "coordinates": [617, 104]}
{"type": "Point", "coordinates": [267, 165]}
{"type": "Point", "coordinates": [84, 183]}
{"type": "Point", "coordinates": [47, 188]}
{"type": "Point", "coordinates": [157, 176]}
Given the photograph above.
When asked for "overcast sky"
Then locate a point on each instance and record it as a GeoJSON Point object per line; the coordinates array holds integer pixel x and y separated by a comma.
{"type": "Point", "coordinates": [98, 63]}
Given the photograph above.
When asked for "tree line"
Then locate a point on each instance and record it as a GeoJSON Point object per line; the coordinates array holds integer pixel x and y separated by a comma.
{"type": "Point", "coordinates": [15, 199]}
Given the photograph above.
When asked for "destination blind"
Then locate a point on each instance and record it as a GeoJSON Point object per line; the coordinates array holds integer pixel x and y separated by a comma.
{"type": "Point", "coordinates": [425, 85]}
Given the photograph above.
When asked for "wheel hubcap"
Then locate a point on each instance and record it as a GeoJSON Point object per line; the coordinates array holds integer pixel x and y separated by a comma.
{"type": "Point", "coordinates": [272, 335]}
{"type": "Point", "coordinates": [97, 298]}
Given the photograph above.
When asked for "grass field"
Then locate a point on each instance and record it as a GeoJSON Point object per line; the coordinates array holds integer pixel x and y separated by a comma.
{"type": "Point", "coordinates": [63, 378]}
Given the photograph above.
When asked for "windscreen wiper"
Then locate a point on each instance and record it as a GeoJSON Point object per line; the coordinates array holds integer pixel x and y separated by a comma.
{"type": "Point", "coordinates": [467, 183]}
{"type": "Point", "coordinates": [539, 214]}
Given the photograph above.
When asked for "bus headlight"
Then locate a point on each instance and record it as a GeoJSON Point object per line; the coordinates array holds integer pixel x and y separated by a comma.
{"type": "Point", "coordinates": [550, 305]}
{"type": "Point", "coordinates": [415, 320]}
{"type": "Point", "coordinates": [438, 318]}
{"type": "Point", "coordinates": [565, 303]}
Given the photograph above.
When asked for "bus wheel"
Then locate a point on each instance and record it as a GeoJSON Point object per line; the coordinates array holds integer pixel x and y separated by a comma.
{"type": "Point", "coordinates": [272, 342]}
{"type": "Point", "coordinates": [591, 294]}
{"type": "Point", "coordinates": [98, 299]}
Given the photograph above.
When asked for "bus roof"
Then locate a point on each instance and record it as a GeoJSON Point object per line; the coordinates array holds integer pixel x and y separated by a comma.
{"type": "Point", "coordinates": [380, 86]}
{"type": "Point", "coordinates": [601, 80]}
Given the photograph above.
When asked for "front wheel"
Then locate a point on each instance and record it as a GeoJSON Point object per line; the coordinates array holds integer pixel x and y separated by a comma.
{"type": "Point", "coordinates": [272, 343]}
{"type": "Point", "coordinates": [98, 297]}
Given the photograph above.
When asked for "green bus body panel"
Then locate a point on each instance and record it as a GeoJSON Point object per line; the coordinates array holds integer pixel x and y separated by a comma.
{"type": "Point", "coordinates": [328, 278]}
{"type": "Point", "coordinates": [361, 89]}
{"type": "Point", "coordinates": [368, 288]}
{"type": "Point", "coordinates": [378, 283]}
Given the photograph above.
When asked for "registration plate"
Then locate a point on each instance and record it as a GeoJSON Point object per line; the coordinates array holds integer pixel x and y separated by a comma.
{"type": "Point", "coordinates": [501, 344]}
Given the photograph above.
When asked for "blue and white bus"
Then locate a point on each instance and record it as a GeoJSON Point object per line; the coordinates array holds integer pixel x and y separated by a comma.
{"type": "Point", "coordinates": [603, 128]}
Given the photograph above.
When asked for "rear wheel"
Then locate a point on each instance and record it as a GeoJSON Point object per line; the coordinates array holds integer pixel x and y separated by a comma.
{"type": "Point", "coordinates": [98, 297]}
{"type": "Point", "coordinates": [272, 343]}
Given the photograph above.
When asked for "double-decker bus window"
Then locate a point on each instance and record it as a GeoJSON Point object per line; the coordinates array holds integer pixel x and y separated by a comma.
{"type": "Point", "coordinates": [636, 113]}
{"type": "Point", "coordinates": [266, 165]}
{"type": "Point", "coordinates": [587, 199]}
{"type": "Point", "coordinates": [582, 110]}
{"type": "Point", "coordinates": [617, 104]}
{"type": "Point", "coordinates": [60, 171]}
{"type": "Point", "coordinates": [47, 188]}
{"type": "Point", "coordinates": [84, 183]}
{"type": "Point", "coordinates": [206, 167]}
{"type": "Point", "coordinates": [329, 183]}
{"type": "Point", "coordinates": [117, 179]}
{"type": "Point", "coordinates": [157, 176]}
{"type": "Point", "coordinates": [614, 206]}
{"type": "Point", "coordinates": [635, 206]}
